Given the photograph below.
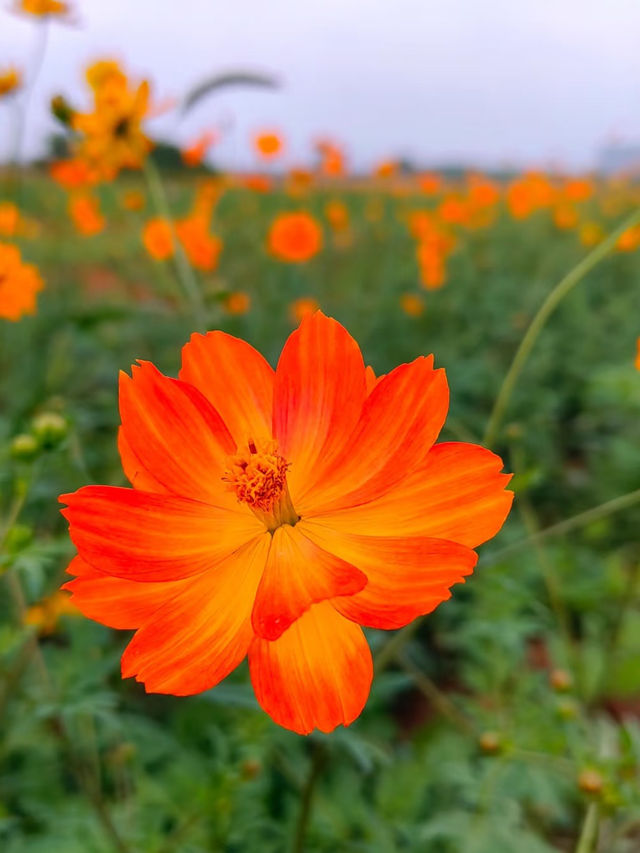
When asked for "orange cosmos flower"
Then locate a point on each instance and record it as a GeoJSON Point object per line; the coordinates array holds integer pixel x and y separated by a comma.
{"type": "Point", "coordinates": [294, 237]}
{"type": "Point", "coordinates": [268, 144]}
{"type": "Point", "coordinates": [412, 304]}
{"type": "Point", "coordinates": [637, 361]}
{"type": "Point", "coordinates": [303, 307]}
{"type": "Point", "coordinates": [19, 284]}
{"type": "Point", "coordinates": [337, 214]}
{"type": "Point", "coordinates": [133, 200]}
{"type": "Point", "coordinates": [629, 240]}
{"type": "Point", "coordinates": [157, 237]}
{"type": "Point", "coordinates": [430, 183]}
{"type": "Point", "coordinates": [9, 219]}
{"type": "Point", "coordinates": [85, 214]}
{"type": "Point", "coordinates": [44, 8]}
{"type": "Point", "coordinates": [72, 174]}
{"type": "Point", "coordinates": [275, 512]}
{"type": "Point", "coordinates": [10, 82]}
{"type": "Point", "coordinates": [201, 248]}
{"type": "Point", "coordinates": [237, 303]}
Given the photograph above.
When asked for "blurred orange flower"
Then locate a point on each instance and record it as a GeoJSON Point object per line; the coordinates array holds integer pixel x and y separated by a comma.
{"type": "Point", "coordinates": [10, 82]}
{"type": "Point", "coordinates": [133, 200]}
{"type": "Point", "coordinates": [157, 237]}
{"type": "Point", "coordinates": [294, 237]}
{"type": "Point", "coordinates": [85, 214]}
{"type": "Point", "coordinates": [194, 154]}
{"type": "Point", "coordinates": [244, 477]}
{"type": "Point", "coordinates": [637, 361]}
{"type": "Point", "coordinates": [19, 284]}
{"type": "Point", "coordinates": [44, 8]}
{"type": "Point", "coordinates": [45, 615]}
{"type": "Point", "coordinates": [237, 303]}
{"type": "Point", "coordinates": [629, 240]}
{"type": "Point", "coordinates": [303, 307]}
{"type": "Point", "coordinates": [412, 304]}
{"type": "Point", "coordinates": [72, 174]}
{"type": "Point", "coordinates": [565, 216]}
{"type": "Point", "coordinates": [268, 144]}
{"type": "Point", "coordinates": [430, 183]}
{"type": "Point", "coordinates": [201, 248]}
{"type": "Point", "coordinates": [337, 214]}
{"type": "Point", "coordinates": [9, 219]}
{"type": "Point", "coordinates": [332, 159]}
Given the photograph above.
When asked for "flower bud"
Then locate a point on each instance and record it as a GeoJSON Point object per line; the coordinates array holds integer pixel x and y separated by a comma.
{"type": "Point", "coordinates": [50, 429]}
{"type": "Point", "coordinates": [490, 743]}
{"type": "Point", "coordinates": [590, 781]}
{"type": "Point", "coordinates": [561, 680]}
{"type": "Point", "coordinates": [24, 448]}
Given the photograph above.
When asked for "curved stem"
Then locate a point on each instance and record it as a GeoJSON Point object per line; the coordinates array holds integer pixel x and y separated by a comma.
{"type": "Point", "coordinates": [564, 286]}
{"type": "Point", "coordinates": [183, 268]}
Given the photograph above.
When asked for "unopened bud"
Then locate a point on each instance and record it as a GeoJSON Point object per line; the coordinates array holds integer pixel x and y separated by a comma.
{"type": "Point", "coordinates": [50, 429]}
{"type": "Point", "coordinates": [24, 448]}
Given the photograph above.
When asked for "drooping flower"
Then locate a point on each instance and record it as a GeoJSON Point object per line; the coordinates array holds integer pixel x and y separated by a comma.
{"type": "Point", "coordinates": [19, 284]}
{"type": "Point", "coordinates": [273, 513]}
{"type": "Point", "coordinates": [10, 82]}
{"type": "Point", "coordinates": [294, 237]}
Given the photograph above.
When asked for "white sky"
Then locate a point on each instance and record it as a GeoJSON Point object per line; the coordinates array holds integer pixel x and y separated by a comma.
{"type": "Point", "coordinates": [484, 81]}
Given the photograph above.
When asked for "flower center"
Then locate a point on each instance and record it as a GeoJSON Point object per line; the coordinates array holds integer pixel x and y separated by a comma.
{"type": "Point", "coordinates": [258, 476]}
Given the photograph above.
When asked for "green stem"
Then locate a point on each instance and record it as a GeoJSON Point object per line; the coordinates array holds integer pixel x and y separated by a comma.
{"type": "Point", "coordinates": [588, 841]}
{"type": "Point", "coordinates": [317, 763]}
{"type": "Point", "coordinates": [564, 286]}
{"type": "Point", "coordinates": [183, 268]}
{"type": "Point", "coordinates": [573, 523]}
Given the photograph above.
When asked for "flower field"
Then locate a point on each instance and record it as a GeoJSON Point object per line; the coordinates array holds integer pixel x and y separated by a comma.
{"type": "Point", "coordinates": [324, 665]}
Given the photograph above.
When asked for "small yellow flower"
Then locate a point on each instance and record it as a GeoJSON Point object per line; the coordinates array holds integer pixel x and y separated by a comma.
{"type": "Point", "coordinates": [111, 136]}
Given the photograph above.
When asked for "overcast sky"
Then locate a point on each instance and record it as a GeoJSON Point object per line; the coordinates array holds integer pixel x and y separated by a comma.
{"type": "Point", "coordinates": [486, 81]}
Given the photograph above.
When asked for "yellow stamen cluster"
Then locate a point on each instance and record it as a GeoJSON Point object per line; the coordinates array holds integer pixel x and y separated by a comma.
{"type": "Point", "coordinates": [259, 476]}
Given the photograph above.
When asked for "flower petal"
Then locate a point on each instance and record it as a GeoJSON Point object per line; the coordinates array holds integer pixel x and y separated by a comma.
{"type": "Point", "coordinates": [133, 469]}
{"type": "Point", "coordinates": [236, 380]}
{"type": "Point", "coordinates": [203, 632]}
{"type": "Point", "coordinates": [317, 675]}
{"type": "Point", "coordinates": [149, 537]}
{"type": "Point", "coordinates": [400, 421]}
{"type": "Point", "coordinates": [459, 494]}
{"type": "Point", "coordinates": [175, 434]}
{"type": "Point", "coordinates": [318, 396]}
{"type": "Point", "coordinates": [407, 577]}
{"type": "Point", "coordinates": [297, 574]}
{"type": "Point", "coordinates": [116, 602]}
